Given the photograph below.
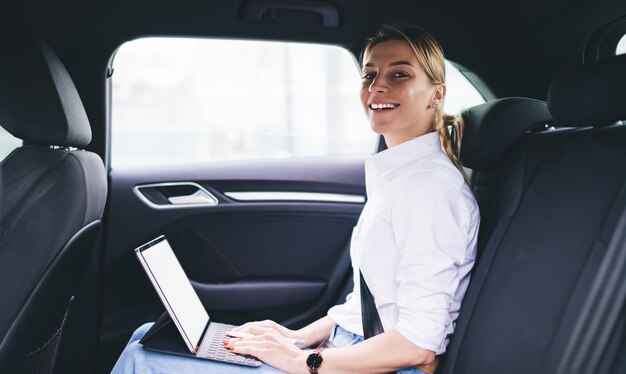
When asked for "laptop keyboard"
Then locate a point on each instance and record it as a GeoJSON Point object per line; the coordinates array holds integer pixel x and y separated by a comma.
{"type": "Point", "coordinates": [213, 347]}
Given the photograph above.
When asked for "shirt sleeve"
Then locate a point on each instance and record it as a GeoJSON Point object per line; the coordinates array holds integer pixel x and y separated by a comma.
{"type": "Point", "coordinates": [430, 222]}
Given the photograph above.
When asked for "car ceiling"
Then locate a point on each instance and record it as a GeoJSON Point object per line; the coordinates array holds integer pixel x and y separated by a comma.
{"type": "Point", "coordinates": [514, 46]}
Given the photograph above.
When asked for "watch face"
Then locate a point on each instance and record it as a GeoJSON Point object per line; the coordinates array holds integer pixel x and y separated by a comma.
{"type": "Point", "coordinates": [314, 360]}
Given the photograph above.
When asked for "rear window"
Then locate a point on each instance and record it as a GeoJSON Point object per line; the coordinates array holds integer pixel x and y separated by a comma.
{"type": "Point", "coordinates": [621, 46]}
{"type": "Point", "coordinates": [180, 100]}
{"type": "Point", "coordinates": [8, 143]}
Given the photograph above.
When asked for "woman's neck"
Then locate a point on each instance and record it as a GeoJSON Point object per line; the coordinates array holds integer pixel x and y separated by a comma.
{"type": "Point", "coordinates": [392, 141]}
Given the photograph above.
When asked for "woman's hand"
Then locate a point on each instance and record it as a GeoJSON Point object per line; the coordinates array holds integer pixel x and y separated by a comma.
{"type": "Point", "coordinates": [272, 348]}
{"type": "Point", "coordinates": [311, 334]}
{"type": "Point", "coordinates": [262, 327]}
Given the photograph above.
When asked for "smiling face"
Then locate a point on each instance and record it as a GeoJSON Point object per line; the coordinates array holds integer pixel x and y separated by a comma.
{"type": "Point", "coordinates": [397, 95]}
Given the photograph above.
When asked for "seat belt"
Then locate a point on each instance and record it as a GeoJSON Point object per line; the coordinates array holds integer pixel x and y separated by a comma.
{"type": "Point", "coordinates": [370, 319]}
{"type": "Point", "coordinates": [372, 325]}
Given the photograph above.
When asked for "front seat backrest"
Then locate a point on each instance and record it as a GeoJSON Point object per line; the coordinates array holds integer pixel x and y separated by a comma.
{"type": "Point", "coordinates": [52, 197]}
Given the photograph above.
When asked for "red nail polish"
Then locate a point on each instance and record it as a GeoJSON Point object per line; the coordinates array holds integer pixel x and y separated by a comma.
{"type": "Point", "coordinates": [232, 348]}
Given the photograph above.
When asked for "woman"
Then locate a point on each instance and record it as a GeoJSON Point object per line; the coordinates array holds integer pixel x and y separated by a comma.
{"type": "Point", "coordinates": [415, 241]}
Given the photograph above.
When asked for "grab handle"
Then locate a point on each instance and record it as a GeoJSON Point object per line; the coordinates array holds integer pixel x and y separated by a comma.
{"type": "Point", "coordinates": [254, 10]}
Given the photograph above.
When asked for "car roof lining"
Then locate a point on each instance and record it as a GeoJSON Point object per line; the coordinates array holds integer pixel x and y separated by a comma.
{"type": "Point", "coordinates": [489, 37]}
{"type": "Point", "coordinates": [515, 48]}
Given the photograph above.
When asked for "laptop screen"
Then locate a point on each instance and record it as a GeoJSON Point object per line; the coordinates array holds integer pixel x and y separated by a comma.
{"type": "Point", "coordinates": [175, 290]}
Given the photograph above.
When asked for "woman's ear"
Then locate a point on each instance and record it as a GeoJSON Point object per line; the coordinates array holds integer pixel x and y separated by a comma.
{"type": "Point", "coordinates": [440, 92]}
{"type": "Point", "coordinates": [438, 95]}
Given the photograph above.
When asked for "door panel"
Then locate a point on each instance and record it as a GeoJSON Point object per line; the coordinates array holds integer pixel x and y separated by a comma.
{"type": "Point", "coordinates": [268, 257]}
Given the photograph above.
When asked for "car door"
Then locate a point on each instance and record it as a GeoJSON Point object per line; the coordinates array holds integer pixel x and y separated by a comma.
{"type": "Point", "coordinates": [259, 238]}
{"type": "Point", "coordinates": [287, 260]}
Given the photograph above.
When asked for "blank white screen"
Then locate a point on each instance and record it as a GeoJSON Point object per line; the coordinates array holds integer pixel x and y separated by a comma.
{"type": "Point", "coordinates": [177, 289]}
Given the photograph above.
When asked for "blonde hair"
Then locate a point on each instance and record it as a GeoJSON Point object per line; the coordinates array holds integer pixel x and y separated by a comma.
{"type": "Point", "coordinates": [430, 58]}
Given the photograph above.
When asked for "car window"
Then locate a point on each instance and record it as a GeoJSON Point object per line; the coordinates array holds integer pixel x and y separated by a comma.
{"type": "Point", "coordinates": [178, 100]}
{"type": "Point", "coordinates": [461, 93]}
{"type": "Point", "coordinates": [621, 46]}
{"type": "Point", "coordinates": [8, 143]}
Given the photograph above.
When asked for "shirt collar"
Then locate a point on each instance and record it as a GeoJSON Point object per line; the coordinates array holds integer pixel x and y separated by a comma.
{"type": "Point", "coordinates": [406, 152]}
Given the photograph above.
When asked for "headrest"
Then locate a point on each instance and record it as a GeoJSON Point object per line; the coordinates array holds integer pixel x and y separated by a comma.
{"type": "Point", "coordinates": [493, 127]}
{"type": "Point", "coordinates": [590, 94]}
{"type": "Point", "coordinates": [38, 101]}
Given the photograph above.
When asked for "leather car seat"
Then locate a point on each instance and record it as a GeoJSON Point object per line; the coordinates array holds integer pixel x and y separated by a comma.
{"type": "Point", "coordinates": [491, 129]}
{"type": "Point", "coordinates": [52, 196]}
{"type": "Point", "coordinates": [551, 265]}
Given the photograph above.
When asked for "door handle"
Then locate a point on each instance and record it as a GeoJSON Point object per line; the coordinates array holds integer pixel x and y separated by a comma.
{"type": "Point", "coordinates": [175, 195]}
{"type": "Point", "coordinates": [198, 197]}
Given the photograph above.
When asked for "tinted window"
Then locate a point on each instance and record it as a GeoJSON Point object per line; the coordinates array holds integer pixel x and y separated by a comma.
{"type": "Point", "coordinates": [621, 46]}
{"type": "Point", "coordinates": [7, 143]}
{"type": "Point", "coordinates": [193, 100]}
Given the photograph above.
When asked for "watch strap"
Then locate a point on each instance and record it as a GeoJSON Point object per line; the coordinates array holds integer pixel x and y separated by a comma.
{"type": "Point", "coordinates": [316, 352]}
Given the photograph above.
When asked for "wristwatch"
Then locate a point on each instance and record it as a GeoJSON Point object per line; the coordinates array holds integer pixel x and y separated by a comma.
{"type": "Point", "coordinates": [315, 360]}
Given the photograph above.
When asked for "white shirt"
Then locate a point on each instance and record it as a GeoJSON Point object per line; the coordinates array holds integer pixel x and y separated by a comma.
{"type": "Point", "coordinates": [415, 243]}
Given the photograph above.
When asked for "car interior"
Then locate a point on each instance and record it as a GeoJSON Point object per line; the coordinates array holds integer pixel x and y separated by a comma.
{"type": "Point", "coordinates": [267, 236]}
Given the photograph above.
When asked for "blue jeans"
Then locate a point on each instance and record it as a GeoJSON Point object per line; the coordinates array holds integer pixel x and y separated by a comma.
{"type": "Point", "coordinates": [343, 338]}
{"type": "Point", "coordinates": [135, 359]}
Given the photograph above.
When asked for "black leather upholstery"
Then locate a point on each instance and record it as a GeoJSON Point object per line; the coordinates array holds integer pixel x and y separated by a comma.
{"type": "Point", "coordinates": [557, 202]}
{"type": "Point", "coordinates": [553, 219]}
{"type": "Point", "coordinates": [590, 95]}
{"type": "Point", "coordinates": [39, 334]}
{"type": "Point", "coordinates": [492, 128]}
{"type": "Point", "coordinates": [49, 195]}
{"type": "Point", "coordinates": [38, 101]}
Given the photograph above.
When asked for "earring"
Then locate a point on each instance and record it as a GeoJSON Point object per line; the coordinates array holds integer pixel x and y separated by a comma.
{"type": "Point", "coordinates": [435, 105]}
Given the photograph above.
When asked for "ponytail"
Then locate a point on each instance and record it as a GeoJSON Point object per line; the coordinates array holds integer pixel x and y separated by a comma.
{"type": "Point", "coordinates": [450, 130]}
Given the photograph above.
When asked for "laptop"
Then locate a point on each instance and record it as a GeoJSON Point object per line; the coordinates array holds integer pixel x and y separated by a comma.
{"type": "Point", "coordinates": [203, 338]}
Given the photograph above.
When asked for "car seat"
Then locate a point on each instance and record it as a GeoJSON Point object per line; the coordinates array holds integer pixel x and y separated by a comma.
{"type": "Point", "coordinates": [52, 196]}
